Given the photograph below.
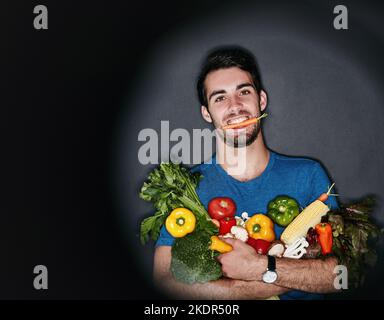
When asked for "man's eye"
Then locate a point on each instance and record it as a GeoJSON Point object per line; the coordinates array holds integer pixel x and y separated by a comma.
{"type": "Point", "coordinates": [219, 99]}
{"type": "Point", "coordinates": [244, 92]}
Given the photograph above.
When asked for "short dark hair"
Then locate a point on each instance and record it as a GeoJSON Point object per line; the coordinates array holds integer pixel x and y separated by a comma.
{"type": "Point", "coordinates": [227, 57]}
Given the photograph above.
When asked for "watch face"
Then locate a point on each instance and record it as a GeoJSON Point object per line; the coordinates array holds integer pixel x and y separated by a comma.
{"type": "Point", "coordinates": [270, 276]}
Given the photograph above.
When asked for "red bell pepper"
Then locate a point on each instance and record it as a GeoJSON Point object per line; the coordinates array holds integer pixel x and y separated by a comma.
{"type": "Point", "coordinates": [226, 224]}
{"type": "Point", "coordinates": [261, 246]}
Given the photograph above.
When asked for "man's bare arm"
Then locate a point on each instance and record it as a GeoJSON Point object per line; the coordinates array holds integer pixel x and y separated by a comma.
{"type": "Point", "coordinates": [310, 275]}
{"type": "Point", "coordinates": [219, 289]}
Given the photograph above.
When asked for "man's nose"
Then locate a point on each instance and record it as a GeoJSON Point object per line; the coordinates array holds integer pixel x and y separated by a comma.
{"type": "Point", "coordinates": [235, 103]}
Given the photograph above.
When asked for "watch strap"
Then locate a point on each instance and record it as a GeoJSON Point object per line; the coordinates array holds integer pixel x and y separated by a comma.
{"type": "Point", "coordinates": [271, 263]}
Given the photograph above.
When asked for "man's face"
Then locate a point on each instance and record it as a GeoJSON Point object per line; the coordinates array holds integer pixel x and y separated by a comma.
{"type": "Point", "coordinates": [232, 98]}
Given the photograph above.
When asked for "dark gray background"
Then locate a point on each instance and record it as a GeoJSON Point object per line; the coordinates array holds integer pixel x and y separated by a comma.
{"type": "Point", "coordinates": [74, 97]}
{"type": "Point", "coordinates": [324, 88]}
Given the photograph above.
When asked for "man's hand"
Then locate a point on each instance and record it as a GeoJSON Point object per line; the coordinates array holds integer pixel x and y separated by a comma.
{"type": "Point", "coordinates": [242, 263]}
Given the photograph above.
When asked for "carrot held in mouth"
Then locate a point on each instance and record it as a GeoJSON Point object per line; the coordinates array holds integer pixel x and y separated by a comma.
{"type": "Point", "coordinates": [244, 123]}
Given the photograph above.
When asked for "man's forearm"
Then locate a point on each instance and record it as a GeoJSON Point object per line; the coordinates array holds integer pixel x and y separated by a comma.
{"type": "Point", "coordinates": [312, 275]}
{"type": "Point", "coordinates": [222, 289]}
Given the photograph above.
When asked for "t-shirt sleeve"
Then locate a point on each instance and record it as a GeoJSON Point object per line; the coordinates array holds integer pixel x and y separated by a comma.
{"type": "Point", "coordinates": [319, 184]}
{"type": "Point", "coordinates": [165, 239]}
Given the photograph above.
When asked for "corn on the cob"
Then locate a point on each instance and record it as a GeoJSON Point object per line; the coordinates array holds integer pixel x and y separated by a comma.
{"type": "Point", "coordinates": [308, 218]}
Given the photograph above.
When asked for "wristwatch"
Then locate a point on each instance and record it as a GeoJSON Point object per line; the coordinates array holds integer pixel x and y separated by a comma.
{"type": "Point", "coordinates": [270, 276]}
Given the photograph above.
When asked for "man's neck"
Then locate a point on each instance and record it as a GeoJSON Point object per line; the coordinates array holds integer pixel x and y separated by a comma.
{"type": "Point", "coordinates": [245, 163]}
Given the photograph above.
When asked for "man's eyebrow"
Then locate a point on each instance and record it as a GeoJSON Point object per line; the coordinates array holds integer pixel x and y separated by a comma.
{"type": "Point", "coordinates": [215, 92]}
{"type": "Point", "coordinates": [246, 84]}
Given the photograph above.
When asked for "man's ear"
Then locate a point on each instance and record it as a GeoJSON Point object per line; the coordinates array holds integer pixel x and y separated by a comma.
{"type": "Point", "coordinates": [205, 113]}
{"type": "Point", "coordinates": [263, 100]}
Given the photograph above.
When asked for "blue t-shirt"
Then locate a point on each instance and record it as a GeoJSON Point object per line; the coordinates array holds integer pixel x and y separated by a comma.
{"type": "Point", "coordinates": [300, 178]}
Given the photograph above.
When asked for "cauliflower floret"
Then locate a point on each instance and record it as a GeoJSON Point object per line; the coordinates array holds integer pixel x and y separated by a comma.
{"type": "Point", "coordinates": [240, 233]}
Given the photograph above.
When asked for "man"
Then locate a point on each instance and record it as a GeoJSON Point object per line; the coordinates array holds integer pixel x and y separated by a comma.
{"type": "Point", "coordinates": [230, 91]}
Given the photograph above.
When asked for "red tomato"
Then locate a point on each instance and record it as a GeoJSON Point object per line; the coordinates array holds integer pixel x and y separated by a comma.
{"type": "Point", "coordinates": [221, 207]}
{"type": "Point", "coordinates": [226, 224]}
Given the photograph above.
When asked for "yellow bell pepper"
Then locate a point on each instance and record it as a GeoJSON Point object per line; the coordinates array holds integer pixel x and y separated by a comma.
{"type": "Point", "coordinates": [219, 245]}
{"type": "Point", "coordinates": [259, 226]}
{"type": "Point", "coordinates": [180, 222]}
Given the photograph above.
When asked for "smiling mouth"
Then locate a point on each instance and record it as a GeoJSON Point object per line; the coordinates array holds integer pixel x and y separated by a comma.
{"type": "Point", "coordinates": [236, 120]}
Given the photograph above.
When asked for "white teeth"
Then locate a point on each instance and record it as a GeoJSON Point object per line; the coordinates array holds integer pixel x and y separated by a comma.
{"type": "Point", "coordinates": [237, 120]}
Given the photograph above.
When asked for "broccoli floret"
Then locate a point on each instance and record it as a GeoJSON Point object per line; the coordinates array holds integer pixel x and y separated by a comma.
{"type": "Point", "coordinates": [193, 261]}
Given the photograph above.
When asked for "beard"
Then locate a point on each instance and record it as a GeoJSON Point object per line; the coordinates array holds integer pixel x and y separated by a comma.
{"type": "Point", "coordinates": [242, 138]}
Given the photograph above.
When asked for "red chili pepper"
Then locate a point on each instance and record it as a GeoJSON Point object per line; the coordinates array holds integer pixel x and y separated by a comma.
{"type": "Point", "coordinates": [324, 232]}
{"type": "Point", "coordinates": [226, 224]}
